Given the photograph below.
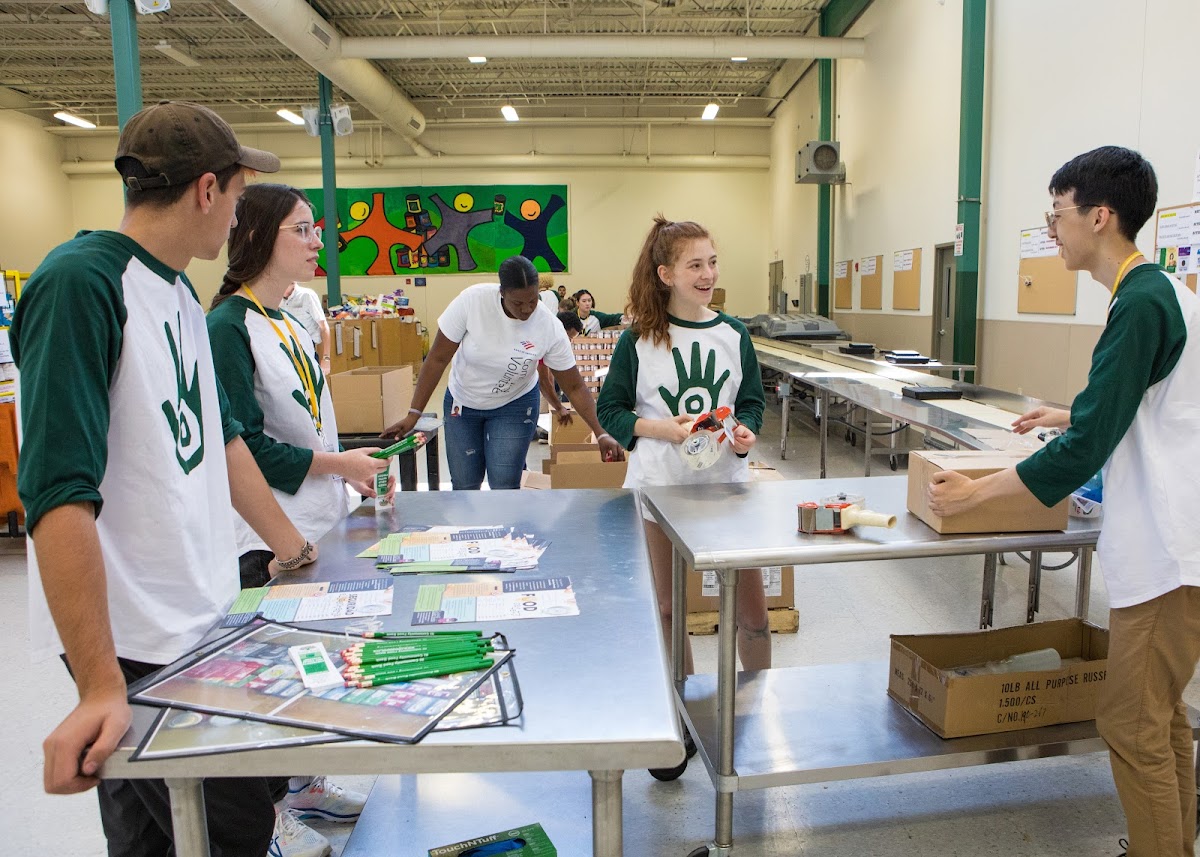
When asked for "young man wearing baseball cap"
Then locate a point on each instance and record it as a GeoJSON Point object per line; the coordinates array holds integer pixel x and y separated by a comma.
{"type": "Point", "coordinates": [129, 462]}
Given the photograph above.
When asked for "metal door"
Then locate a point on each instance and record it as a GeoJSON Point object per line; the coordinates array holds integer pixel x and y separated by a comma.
{"type": "Point", "coordinates": [943, 303]}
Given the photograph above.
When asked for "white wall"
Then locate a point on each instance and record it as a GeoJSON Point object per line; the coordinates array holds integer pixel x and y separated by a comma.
{"type": "Point", "coordinates": [36, 214]}
{"type": "Point", "coordinates": [1067, 77]}
{"type": "Point", "coordinates": [793, 235]}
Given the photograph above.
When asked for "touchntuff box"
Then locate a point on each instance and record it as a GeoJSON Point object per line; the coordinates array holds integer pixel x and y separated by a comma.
{"type": "Point", "coordinates": [1022, 514]}
{"type": "Point", "coordinates": [529, 841]}
{"type": "Point", "coordinates": [924, 678]}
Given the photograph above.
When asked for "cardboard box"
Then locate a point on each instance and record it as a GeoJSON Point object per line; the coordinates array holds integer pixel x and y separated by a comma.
{"type": "Point", "coordinates": [399, 342]}
{"type": "Point", "coordinates": [923, 680]}
{"type": "Point", "coordinates": [534, 481]}
{"type": "Point", "coordinates": [576, 432]}
{"type": "Point", "coordinates": [1008, 515]}
{"type": "Point", "coordinates": [703, 591]}
{"type": "Point", "coordinates": [352, 346]}
{"type": "Point", "coordinates": [371, 398]}
{"type": "Point", "coordinates": [593, 474]}
{"type": "Point", "coordinates": [536, 844]}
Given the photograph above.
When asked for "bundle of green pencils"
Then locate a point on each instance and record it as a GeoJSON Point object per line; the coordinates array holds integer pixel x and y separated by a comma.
{"type": "Point", "coordinates": [412, 441]}
{"type": "Point", "coordinates": [411, 655]}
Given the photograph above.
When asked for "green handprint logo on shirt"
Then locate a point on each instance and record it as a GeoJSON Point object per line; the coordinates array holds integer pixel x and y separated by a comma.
{"type": "Point", "coordinates": [184, 414]}
{"type": "Point", "coordinates": [698, 388]}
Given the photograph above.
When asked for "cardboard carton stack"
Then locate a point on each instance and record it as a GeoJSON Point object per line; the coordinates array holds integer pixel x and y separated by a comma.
{"type": "Point", "coordinates": [592, 356]}
{"type": "Point", "coordinates": [574, 461]}
{"type": "Point", "coordinates": [374, 341]}
{"type": "Point", "coordinates": [718, 300]}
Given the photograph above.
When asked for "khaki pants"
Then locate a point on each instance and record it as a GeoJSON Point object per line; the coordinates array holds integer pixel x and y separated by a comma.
{"type": "Point", "coordinates": [1152, 655]}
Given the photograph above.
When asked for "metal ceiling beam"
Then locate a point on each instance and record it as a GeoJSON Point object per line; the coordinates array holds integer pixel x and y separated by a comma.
{"type": "Point", "coordinates": [600, 47]}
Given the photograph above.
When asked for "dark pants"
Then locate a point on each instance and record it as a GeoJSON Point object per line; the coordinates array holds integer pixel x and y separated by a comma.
{"type": "Point", "coordinates": [136, 814]}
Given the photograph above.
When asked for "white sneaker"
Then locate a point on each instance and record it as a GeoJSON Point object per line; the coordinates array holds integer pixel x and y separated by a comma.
{"type": "Point", "coordinates": [293, 838]}
{"type": "Point", "coordinates": [321, 798]}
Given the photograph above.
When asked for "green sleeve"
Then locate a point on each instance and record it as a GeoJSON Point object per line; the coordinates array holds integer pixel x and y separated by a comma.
{"type": "Point", "coordinates": [1139, 347]}
{"type": "Point", "coordinates": [230, 427]}
{"type": "Point", "coordinates": [283, 466]}
{"type": "Point", "coordinates": [750, 402]}
{"type": "Point", "coordinates": [66, 340]}
{"type": "Point", "coordinates": [607, 319]}
{"type": "Point", "coordinates": [618, 396]}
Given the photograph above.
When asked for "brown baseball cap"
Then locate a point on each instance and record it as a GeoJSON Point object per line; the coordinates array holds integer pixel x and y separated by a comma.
{"type": "Point", "coordinates": [176, 142]}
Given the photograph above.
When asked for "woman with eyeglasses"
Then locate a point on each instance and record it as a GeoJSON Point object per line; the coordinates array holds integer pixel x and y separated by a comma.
{"type": "Point", "coordinates": [265, 362]}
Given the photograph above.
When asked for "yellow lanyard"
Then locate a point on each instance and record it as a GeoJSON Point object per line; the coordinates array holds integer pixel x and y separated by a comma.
{"type": "Point", "coordinates": [1121, 273]}
{"type": "Point", "coordinates": [298, 361]}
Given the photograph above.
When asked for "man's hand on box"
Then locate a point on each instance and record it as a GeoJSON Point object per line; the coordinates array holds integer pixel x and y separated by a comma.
{"type": "Point", "coordinates": [950, 493]}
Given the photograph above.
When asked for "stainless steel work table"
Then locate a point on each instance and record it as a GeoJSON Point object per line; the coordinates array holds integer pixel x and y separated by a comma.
{"type": "Point", "coordinates": [813, 724]}
{"type": "Point", "coordinates": [596, 687]}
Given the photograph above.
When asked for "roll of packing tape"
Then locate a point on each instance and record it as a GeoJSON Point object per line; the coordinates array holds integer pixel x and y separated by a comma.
{"type": "Point", "coordinates": [842, 497]}
{"type": "Point", "coordinates": [700, 450]}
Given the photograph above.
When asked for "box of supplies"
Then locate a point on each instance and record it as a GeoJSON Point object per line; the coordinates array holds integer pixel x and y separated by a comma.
{"type": "Point", "coordinates": [371, 398]}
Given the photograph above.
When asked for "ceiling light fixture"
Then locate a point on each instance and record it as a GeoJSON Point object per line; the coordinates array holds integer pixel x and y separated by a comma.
{"type": "Point", "coordinates": [477, 60]}
{"type": "Point", "coordinates": [738, 59]}
{"type": "Point", "coordinates": [289, 116]}
{"type": "Point", "coordinates": [710, 110]}
{"type": "Point", "coordinates": [164, 48]}
{"type": "Point", "coordinates": [63, 116]}
{"type": "Point", "coordinates": [509, 112]}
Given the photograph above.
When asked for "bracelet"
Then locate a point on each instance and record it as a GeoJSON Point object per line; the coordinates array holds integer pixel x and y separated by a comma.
{"type": "Point", "coordinates": [417, 411]}
{"type": "Point", "coordinates": [296, 561]}
{"type": "Point", "coordinates": [605, 434]}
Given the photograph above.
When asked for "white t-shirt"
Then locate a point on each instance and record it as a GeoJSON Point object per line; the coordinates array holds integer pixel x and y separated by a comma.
{"type": "Point", "coordinates": [497, 356]}
{"type": "Point", "coordinates": [550, 298]}
{"type": "Point", "coordinates": [305, 307]}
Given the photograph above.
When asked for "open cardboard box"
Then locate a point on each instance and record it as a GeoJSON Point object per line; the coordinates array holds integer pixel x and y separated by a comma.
{"type": "Point", "coordinates": [371, 398]}
{"type": "Point", "coordinates": [922, 678]}
{"type": "Point", "coordinates": [1007, 515]}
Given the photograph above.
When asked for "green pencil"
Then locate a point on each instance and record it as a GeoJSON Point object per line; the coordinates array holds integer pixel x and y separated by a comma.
{"type": "Point", "coordinates": [398, 675]}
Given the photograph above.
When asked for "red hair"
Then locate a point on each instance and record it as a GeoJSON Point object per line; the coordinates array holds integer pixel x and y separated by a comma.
{"type": "Point", "coordinates": [648, 294]}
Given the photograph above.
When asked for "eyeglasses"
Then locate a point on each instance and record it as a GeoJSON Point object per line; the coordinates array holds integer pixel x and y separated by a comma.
{"type": "Point", "coordinates": [1053, 214]}
{"type": "Point", "coordinates": [306, 230]}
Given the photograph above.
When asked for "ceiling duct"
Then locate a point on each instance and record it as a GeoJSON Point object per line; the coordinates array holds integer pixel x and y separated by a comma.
{"type": "Point", "coordinates": [314, 40]}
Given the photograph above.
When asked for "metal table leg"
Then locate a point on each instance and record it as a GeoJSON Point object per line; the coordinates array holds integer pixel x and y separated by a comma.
{"type": "Point", "coordinates": [1083, 583]}
{"type": "Point", "coordinates": [987, 598]}
{"type": "Point", "coordinates": [1035, 585]}
{"type": "Point", "coordinates": [866, 442]}
{"type": "Point", "coordinates": [726, 685]}
{"type": "Point", "coordinates": [785, 400]}
{"type": "Point", "coordinates": [678, 617]}
{"type": "Point", "coordinates": [607, 826]}
{"type": "Point", "coordinates": [408, 471]}
{"type": "Point", "coordinates": [189, 826]}
{"type": "Point", "coordinates": [823, 418]}
{"type": "Point", "coordinates": [433, 467]}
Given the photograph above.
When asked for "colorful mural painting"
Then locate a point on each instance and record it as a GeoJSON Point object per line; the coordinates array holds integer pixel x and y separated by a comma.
{"type": "Point", "coordinates": [452, 229]}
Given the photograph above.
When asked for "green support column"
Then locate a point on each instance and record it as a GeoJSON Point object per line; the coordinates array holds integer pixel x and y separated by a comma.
{"type": "Point", "coordinates": [824, 192]}
{"type": "Point", "coordinates": [333, 274]}
{"type": "Point", "coordinates": [836, 19]}
{"type": "Point", "coordinates": [127, 66]}
{"type": "Point", "coordinates": [970, 170]}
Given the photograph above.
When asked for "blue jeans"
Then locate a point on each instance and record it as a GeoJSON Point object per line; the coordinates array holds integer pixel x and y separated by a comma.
{"type": "Point", "coordinates": [494, 442]}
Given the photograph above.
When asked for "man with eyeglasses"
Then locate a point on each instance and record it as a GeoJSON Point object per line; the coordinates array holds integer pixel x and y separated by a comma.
{"type": "Point", "coordinates": [1139, 419]}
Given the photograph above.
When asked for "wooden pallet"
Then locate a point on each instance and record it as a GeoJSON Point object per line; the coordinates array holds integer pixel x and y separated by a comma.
{"type": "Point", "coordinates": [782, 620]}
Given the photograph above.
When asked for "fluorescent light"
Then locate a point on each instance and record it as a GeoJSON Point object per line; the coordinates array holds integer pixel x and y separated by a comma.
{"type": "Point", "coordinates": [164, 47]}
{"type": "Point", "coordinates": [710, 110]}
{"type": "Point", "coordinates": [63, 116]}
{"type": "Point", "coordinates": [477, 59]}
{"type": "Point", "coordinates": [509, 112]}
{"type": "Point", "coordinates": [290, 116]}
{"type": "Point", "coordinates": [738, 59]}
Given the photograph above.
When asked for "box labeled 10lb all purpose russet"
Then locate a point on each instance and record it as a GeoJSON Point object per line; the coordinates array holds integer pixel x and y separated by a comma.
{"type": "Point", "coordinates": [1021, 514]}
{"type": "Point", "coordinates": [926, 677]}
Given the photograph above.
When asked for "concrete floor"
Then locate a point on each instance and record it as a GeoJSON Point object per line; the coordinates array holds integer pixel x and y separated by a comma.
{"type": "Point", "coordinates": [1061, 807]}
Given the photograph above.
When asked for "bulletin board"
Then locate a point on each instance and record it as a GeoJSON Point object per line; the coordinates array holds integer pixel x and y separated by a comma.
{"type": "Point", "coordinates": [1177, 241]}
{"type": "Point", "coordinates": [843, 288]}
{"type": "Point", "coordinates": [870, 281]}
{"type": "Point", "coordinates": [906, 279]}
{"type": "Point", "coordinates": [1044, 284]}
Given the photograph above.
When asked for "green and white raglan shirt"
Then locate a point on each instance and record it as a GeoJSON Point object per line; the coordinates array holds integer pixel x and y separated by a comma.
{"type": "Point", "coordinates": [267, 396]}
{"type": "Point", "coordinates": [708, 364]}
{"type": "Point", "coordinates": [120, 408]}
{"type": "Point", "coordinates": [596, 321]}
{"type": "Point", "coordinates": [1139, 418]}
